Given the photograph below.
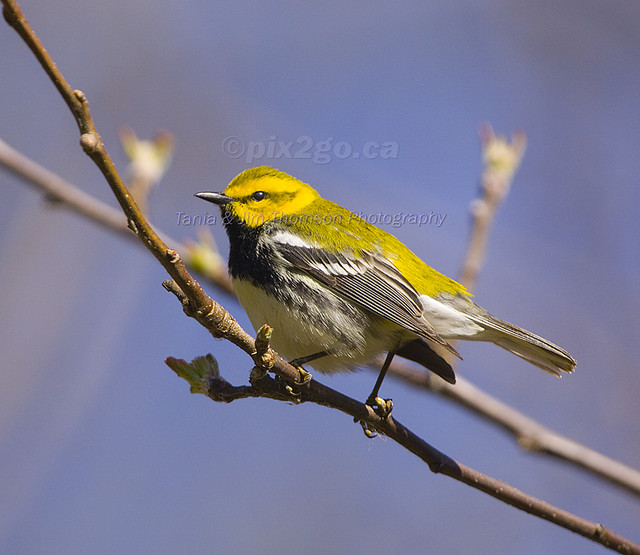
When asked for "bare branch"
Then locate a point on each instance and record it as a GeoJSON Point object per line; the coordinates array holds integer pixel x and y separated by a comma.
{"type": "Point", "coordinates": [218, 389]}
{"type": "Point", "coordinates": [529, 433]}
{"type": "Point", "coordinates": [501, 162]}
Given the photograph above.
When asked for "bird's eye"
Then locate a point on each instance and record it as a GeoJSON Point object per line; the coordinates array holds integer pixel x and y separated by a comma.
{"type": "Point", "coordinates": [258, 195]}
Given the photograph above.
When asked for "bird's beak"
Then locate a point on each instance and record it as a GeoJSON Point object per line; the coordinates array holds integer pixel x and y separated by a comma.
{"type": "Point", "coordinates": [217, 198]}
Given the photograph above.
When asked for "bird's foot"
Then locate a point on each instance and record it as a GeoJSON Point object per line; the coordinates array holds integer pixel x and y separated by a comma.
{"type": "Point", "coordinates": [382, 407]}
{"type": "Point", "coordinates": [305, 378]}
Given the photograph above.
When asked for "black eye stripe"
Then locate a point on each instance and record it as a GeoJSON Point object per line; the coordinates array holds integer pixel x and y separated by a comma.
{"type": "Point", "coordinates": [258, 195]}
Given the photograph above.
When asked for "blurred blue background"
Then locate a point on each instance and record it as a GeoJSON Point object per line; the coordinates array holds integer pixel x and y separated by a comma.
{"type": "Point", "coordinates": [103, 450]}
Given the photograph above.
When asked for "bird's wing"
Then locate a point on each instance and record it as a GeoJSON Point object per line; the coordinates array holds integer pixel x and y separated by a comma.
{"type": "Point", "coordinates": [369, 280]}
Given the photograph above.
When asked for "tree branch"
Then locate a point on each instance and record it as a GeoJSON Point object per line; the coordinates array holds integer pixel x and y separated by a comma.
{"type": "Point", "coordinates": [206, 379]}
{"type": "Point", "coordinates": [222, 325]}
{"type": "Point", "coordinates": [529, 433]}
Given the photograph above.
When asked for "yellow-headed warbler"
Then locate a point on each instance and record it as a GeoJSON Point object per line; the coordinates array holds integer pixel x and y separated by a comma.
{"type": "Point", "coordinates": [339, 291]}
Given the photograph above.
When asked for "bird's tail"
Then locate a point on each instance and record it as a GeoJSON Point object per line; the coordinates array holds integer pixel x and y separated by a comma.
{"type": "Point", "coordinates": [520, 342]}
{"type": "Point", "coordinates": [534, 349]}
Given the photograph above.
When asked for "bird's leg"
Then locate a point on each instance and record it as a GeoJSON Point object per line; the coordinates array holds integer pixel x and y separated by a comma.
{"type": "Point", "coordinates": [305, 376]}
{"type": "Point", "coordinates": [381, 406]}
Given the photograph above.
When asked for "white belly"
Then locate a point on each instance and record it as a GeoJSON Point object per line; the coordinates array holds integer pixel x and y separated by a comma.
{"type": "Point", "coordinates": [302, 333]}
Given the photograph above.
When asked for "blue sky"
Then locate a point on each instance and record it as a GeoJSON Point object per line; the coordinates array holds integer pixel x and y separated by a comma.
{"type": "Point", "coordinates": [102, 447]}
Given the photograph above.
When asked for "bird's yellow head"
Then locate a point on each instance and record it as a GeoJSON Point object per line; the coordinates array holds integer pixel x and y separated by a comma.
{"type": "Point", "coordinates": [261, 194]}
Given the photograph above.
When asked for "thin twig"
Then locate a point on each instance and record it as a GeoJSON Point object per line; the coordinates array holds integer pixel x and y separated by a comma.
{"type": "Point", "coordinates": [501, 162]}
{"type": "Point", "coordinates": [221, 324]}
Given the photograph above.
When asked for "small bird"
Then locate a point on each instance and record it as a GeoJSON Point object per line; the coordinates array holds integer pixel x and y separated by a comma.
{"type": "Point", "coordinates": [339, 292]}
